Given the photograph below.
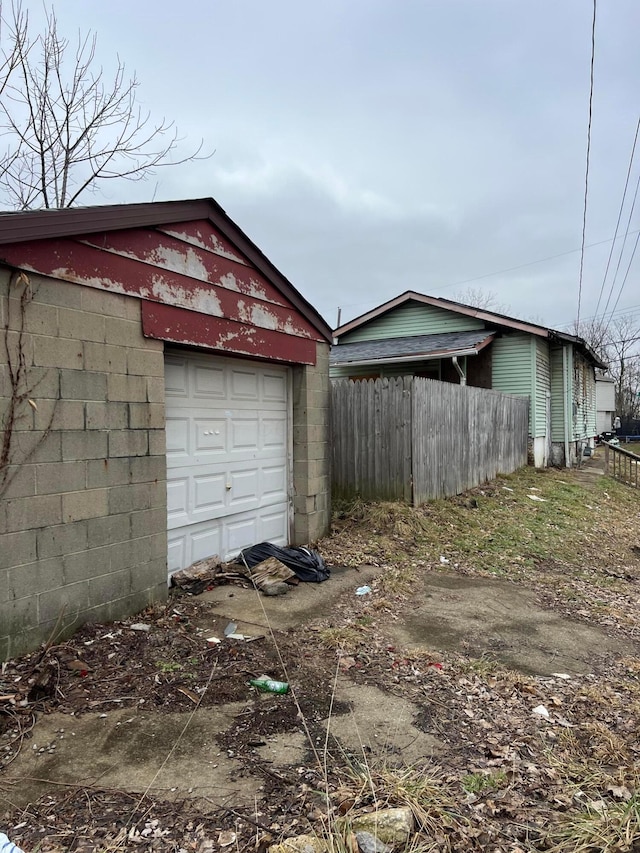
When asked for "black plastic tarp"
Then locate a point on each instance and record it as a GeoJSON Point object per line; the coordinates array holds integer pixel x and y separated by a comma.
{"type": "Point", "coordinates": [307, 564]}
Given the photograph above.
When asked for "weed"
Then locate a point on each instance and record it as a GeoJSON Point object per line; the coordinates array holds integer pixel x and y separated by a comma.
{"type": "Point", "coordinates": [168, 666]}
{"type": "Point", "coordinates": [474, 783]}
{"type": "Point", "coordinates": [601, 826]}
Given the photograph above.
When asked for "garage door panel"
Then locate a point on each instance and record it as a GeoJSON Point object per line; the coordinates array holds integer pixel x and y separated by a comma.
{"type": "Point", "coordinates": [177, 433]}
{"type": "Point", "coordinates": [210, 435]}
{"type": "Point", "coordinates": [227, 471]}
{"type": "Point", "coordinates": [177, 501]}
{"type": "Point", "coordinates": [209, 495]}
{"type": "Point", "coordinates": [274, 482]}
{"type": "Point", "coordinates": [244, 434]}
{"type": "Point", "coordinates": [274, 433]}
{"type": "Point", "coordinates": [176, 377]}
{"type": "Point", "coordinates": [209, 382]}
{"type": "Point", "coordinates": [271, 526]}
{"type": "Point", "coordinates": [177, 553]}
{"type": "Point", "coordinates": [274, 387]}
{"type": "Point", "coordinates": [245, 384]}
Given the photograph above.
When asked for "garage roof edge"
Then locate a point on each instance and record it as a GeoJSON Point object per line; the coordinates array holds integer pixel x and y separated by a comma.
{"type": "Point", "coordinates": [25, 226]}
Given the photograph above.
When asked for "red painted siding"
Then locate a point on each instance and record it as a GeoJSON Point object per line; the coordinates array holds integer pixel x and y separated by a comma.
{"type": "Point", "coordinates": [177, 325]}
{"type": "Point", "coordinates": [217, 299]}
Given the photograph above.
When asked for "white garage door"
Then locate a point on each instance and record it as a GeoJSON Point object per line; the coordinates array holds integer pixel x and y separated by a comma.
{"type": "Point", "coordinates": [227, 470]}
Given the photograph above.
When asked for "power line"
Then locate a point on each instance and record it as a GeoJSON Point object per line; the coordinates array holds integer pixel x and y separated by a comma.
{"type": "Point", "coordinates": [586, 175]}
{"type": "Point", "coordinates": [624, 195]}
{"type": "Point", "coordinates": [626, 275]}
{"type": "Point", "coordinates": [624, 243]}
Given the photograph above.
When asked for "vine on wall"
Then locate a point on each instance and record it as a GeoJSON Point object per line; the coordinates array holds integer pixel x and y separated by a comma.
{"type": "Point", "coordinates": [19, 402]}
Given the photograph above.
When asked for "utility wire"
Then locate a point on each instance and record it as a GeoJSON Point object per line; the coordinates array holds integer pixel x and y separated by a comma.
{"type": "Point", "coordinates": [586, 175]}
{"type": "Point", "coordinates": [624, 243]}
{"type": "Point", "coordinates": [626, 276]}
{"type": "Point", "coordinates": [624, 195]}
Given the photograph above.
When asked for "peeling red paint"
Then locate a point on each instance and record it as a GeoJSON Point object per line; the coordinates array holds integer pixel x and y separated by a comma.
{"type": "Point", "coordinates": [180, 326]}
{"type": "Point", "coordinates": [201, 234]}
{"type": "Point", "coordinates": [171, 253]}
{"type": "Point", "coordinates": [86, 264]}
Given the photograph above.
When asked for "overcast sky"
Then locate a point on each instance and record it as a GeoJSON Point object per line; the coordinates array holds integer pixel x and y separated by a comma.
{"type": "Point", "coordinates": [374, 146]}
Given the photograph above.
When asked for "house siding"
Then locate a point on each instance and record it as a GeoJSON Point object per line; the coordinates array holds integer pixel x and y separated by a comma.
{"type": "Point", "coordinates": [513, 366]}
{"type": "Point", "coordinates": [539, 423]}
{"type": "Point", "coordinates": [584, 399]}
{"type": "Point", "coordinates": [412, 319]}
{"type": "Point", "coordinates": [557, 393]}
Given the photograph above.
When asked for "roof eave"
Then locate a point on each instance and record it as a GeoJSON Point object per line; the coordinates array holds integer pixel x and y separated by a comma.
{"type": "Point", "coordinates": [24, 226]}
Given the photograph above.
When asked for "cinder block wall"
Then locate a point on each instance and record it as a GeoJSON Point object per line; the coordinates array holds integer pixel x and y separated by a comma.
{"type": "Point", "coordinates": [311, 451]}
{"type": "Point", "coordinates": [83, 520]}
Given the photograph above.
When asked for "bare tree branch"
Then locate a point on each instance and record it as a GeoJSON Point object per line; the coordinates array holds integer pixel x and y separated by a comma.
{"type": "Point", "coordinates": [66, 126]}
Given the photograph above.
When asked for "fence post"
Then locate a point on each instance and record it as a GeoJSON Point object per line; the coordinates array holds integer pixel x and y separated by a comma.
{"type": "Point", "coordinates": [606, 459]}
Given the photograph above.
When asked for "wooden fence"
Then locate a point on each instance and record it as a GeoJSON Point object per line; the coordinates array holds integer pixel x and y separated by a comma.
{"type": "Point", "coordinates": [414, 439]}
{"type": "Point", "coordinates": [621, 464]}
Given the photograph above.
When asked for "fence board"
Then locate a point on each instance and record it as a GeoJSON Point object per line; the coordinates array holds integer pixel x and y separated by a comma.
{"type": "Point", "coordinates": [416, 439]}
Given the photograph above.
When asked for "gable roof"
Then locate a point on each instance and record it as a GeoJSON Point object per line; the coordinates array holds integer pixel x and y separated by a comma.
{"type": "Point", "coordinates": [418, 347]}
{"type": "Point", "coordinates": [500, 321]}
{"type": "Point", "coordinates": [25, 226]}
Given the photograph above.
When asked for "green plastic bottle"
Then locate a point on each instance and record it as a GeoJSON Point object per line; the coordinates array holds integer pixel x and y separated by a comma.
{"type": "Point", "coordinates": [269, 685]}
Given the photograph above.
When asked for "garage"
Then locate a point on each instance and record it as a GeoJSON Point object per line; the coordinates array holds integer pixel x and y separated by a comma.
{"type": "Point", "coordinates": [173, 405]}
{"type": "Point", "coordinates": [227, 456]}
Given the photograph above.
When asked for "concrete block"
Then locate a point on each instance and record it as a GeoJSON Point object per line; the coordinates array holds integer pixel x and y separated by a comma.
{"type": "Point", "coordinates": [129, 498]}
{"type": "Point", "coordinates": [67, 415]}
{"type": "Point", "coordinates": [89, 503]}
{"type": "Point", "coordinates": [37, 446]}
{"type": "Point", "coordinates": [146, 416]}
{"type": "Point", "coordinates": [57, 352]}
{"type": "Point", "coordinates": [86, 565]}
{"type": "Point", "coordinates": [40, 318]}
{"type": "Point", "coordinates": [148, 469]}
{"type": "Point", "coordinates": [92, 444]}
{"type": "Point", "coordinates": [149, 521]}
{"type": "Point", "coordinates": [155, 389]}
{"type": "Point", "coordinates": [143, 362]}
{"type": "Point", "coordinates": [124, 333]}
{"type": "Point", "coordinates": [72, 599]}
{"type": "Point", "coordinates": [131, 389]}
{"type": "Point", "coordinates": [19, 615]}
{"type": "Point", "coordinates": [110, 586]}
{"type": "Point", "coordinates": [108, 530]}
{"type": "Point", "coordinates": [44, 383]}
{"type": "Point", "coordinates": [128, 443]}
{"type": "Point", "coordinates": [40, 576]}
{"type": "Point", "coordinates": [57, 477]}
{"type": "Point", "coordinates": [81, 325]}
{"type": "Point", "coordinates": [150, 575]}
{"type": "Point", "coordinates": [21, 481]}
{"type": "Point", "coordinates": [27, 513]}
{"type": "Point", "coordinates": [56, 292]}
{"type": "Point", "coordinates": [15, 343]}
{"type": "Point", "coordinates": [62, 539]}
{"type": "Point", "coordinates": [132, 553]}
{"type": "Point", "coordinates": [157, 442]}
{"type": "Point", "coordinates": [83, 385]}
{"type": "Point", "coordinates": [16, 549]}
{"type": "Point", "coordinates": [108, 472]}
{"type": "Point", "coordinates": [105, 358]}
{"type": "Point", "coordinates": [106, 415]}
{"type": "Point", "coordinates": [109, 304]}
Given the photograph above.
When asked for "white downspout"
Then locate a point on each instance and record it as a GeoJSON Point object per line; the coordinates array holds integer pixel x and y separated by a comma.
{"type": "Point", "coordinates": [565, 388]}
{"type": "Point", "coordinates": [463, 378]}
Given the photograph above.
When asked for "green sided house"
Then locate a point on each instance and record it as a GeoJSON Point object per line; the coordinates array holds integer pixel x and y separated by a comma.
{"type": "Point", "coordinates": [421, 335]}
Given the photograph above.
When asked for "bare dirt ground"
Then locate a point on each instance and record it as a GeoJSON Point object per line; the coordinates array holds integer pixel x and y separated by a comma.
{"type": "Point", "coordinates": [490, 681]}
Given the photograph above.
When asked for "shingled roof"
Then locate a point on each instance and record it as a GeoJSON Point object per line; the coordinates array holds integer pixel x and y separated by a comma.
{"type": "Point", "coordinates": [418, 347]}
